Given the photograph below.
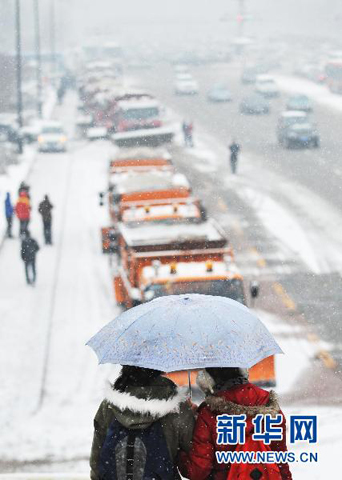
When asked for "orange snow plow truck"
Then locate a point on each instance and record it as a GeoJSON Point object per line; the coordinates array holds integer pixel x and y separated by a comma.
{"type": "Point", "coordinates": [143, 186]}
{"type": "Point", "coordinates": [166, 259]}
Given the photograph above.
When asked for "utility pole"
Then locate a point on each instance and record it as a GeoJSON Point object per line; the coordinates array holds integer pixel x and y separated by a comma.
{"type": "Point", "coordinates": [38, 57]}
{"type": "Point", "coordinates": [241, 18]}
{"type": "Point", "coordinates": [19, 74]}
{"type": "Point", "coordinates": [53, 39]}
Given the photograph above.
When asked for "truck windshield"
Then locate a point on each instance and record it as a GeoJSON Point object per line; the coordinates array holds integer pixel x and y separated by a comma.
{"type": "Point", "coordinates": [224, 288]}
{"type": "Point", "coordinates": [52, 130]}
{"type": "Point", "coordinates": [140, 113]}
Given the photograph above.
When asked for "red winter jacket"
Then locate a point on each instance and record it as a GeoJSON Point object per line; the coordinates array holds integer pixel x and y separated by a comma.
{"type": "Point", "coordinates": [22, 208]}
{"type": "Point", "coordinates": [247, 399]}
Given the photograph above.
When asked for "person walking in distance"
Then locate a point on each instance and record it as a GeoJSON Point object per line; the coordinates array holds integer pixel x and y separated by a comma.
{"type": "Point", "coordinates": [234, 155]}
{"type": "Point", "coordinates": [45, 208]}
{"type": "Point", "coordinates": [29, 249]}
{"type": "Point", "coordinates": [187, 128]}
{"type": "Point", "coordinates": [9, 210]}
{"type": "Point", "coordinates": [23, 211]}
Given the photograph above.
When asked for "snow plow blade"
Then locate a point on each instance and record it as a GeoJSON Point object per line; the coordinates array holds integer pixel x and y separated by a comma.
{"type": "Point", "coordinates": [146, 137]}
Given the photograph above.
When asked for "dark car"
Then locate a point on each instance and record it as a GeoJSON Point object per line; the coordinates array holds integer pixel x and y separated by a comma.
{"type": "Point", "coordinates": [299, 102]}
{"type": "Point", "coordinates": [249, 75]}
{"type": "Point", "coordinates": [219, 93]}
{"type": "Point", "coordinates": [254, 105]}
{"type": "Point", "coordinates": [286, 120]}
{"type": "Point", "coordinates": [302, 135]}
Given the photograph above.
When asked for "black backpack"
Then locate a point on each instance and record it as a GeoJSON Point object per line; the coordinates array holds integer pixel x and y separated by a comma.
{"type": "Point", "coordinates": [140, 454]}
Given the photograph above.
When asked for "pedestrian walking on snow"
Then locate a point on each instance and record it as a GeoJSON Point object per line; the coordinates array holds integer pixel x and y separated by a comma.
{"type": "Point", "coordinates": [23, 211]}
{"type": "Point", "coordinates": [45, 209]}
{"type": "Point", "coordinates": [187, 128]}
{"type": "Point", "coordinates": [229, 392]}
{"type": "Point", "coordinates": [234, 156]}
{"type": "Point", "coordinates": [9, 211]}
{"type": "Point", "coordinates": [29, 249]}
{"type": "Point", "coordinates": [140, 428]}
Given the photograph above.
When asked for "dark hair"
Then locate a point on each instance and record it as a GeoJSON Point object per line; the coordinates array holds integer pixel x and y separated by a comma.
{"type": "Point", "coordinates": [222, 375]}
{"type": "Point", "coordinates": [135, 376]}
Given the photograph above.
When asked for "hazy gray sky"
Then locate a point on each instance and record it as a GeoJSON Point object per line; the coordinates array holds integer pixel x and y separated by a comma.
{"type": "Point", "coordinates": [173, 20]}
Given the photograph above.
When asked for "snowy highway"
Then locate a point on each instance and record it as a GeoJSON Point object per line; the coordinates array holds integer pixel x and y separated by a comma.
{"type": "Point", "coordinates": [287, 204]}
{"type": "Point", "coordinates": [44, 328]}
{"type": "Point", "coordinates": [276, 221]}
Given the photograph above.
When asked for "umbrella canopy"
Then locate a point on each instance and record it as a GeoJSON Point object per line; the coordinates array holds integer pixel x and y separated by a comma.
{"type": "Point", "coordinates": [185, 332]}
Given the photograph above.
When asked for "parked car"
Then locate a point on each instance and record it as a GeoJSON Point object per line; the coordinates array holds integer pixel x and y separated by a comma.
{"type": "Point", "coordinates": [254, 105]}
{"type": "Point", "coordinates": [299, 102]}
{"type": "Point", "coordinates": [265, 85]}
{"type": "Point", "coordinates": [219, 93]}
{"type": "Point", "coordinates": [52, 138]}
{"type": "Point", "coordinates": [303, 135]}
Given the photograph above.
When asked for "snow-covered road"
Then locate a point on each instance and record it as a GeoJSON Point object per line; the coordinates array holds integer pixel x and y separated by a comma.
{"type": "Point", "coordinates": [51, 380]}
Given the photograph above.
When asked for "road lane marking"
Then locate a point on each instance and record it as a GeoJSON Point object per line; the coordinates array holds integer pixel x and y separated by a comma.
{"type": "Point", "coordinates": [286, 299]}
{"type": "Point", "coordinates": [327, 359]}
{"type": "Point", "coordinates": [222, 206]}
{"type": "Point", "coordinates": [322, 355]}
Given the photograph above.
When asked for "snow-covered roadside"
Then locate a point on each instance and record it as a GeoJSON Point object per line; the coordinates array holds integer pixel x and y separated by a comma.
{"type": "Point", "coordinates": [291, 368]}
{"type": "Point", "coordinates": [9, 182]}
{"type": "Point", "coordinates": [51, 386]}
{"type": "Point", "coordinates": [318, 93]}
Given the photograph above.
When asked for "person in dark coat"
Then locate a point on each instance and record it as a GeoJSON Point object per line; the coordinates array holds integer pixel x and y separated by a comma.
{"type": "Point", "coordinates": [9, 211]}
{"type": "Point", "coordinates": [234, 155]}
{"type": "Point", "coordinates": [29, 249]}
{"type": "Point", "coordinates": [187, 128]}
{"type": "Point", "coordinates": [227, 391]}
{"type": "Point", "coordinates": [145, 418]}
{"type": "Point", "coordinates": [45, 209]}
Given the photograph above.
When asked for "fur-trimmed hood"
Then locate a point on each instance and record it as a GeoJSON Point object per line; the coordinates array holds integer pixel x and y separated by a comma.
{"type": "Point", "coordinates": [219, 404]}
{"type": "Point", "coordinates": [138, 407]}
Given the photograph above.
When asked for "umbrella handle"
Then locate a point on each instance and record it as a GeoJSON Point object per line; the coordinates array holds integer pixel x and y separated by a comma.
{"type": "Point", "coordinates": [190, 387]}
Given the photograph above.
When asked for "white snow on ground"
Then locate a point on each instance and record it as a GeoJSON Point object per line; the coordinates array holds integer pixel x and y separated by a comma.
{"type": "Point", "coordinates": [51, 385]}
{"type": "Point", "coordinates": [290, 367]}
{"type": "Point", "coordinates": [10, 181]}
{"type": "Point", "coordinates": [318, 93]}
{"type": "Point", "coordinates": [282, 224]}
{"type": "Point", "coordinates": [299, 220]}
{"type": "Point", "coordinates": [18, 172]}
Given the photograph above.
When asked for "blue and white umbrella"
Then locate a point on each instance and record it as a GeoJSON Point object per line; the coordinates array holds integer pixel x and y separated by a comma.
{"type": "Point", "coordinates": [185, 332]}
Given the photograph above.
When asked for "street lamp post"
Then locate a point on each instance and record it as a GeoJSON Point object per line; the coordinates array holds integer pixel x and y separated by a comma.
{"type": "Point", "coordinates": [38, 57]}
{"type": "Point", "coordinates": [19, 75]}
{"type": "Point", "coordinates": [53, 39]}
{"type": "Point", "coordinates": [241, 18]}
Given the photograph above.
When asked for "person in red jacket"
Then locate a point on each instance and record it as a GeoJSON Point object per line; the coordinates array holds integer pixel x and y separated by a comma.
{"type": "Point", "coordinates": [23, 211]}
{"type": "Point", "coordinates": [228, 391]}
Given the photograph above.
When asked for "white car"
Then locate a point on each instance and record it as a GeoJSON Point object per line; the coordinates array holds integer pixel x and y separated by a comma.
{"type": "Point", "coordinates": [265, 85]}
{"type": "Point", "coordinates": [186, 87]}
{"type": "Point", "coordinates": [52, 138]}
{"type": "Point", "coordinates": [184, 76]}
{"type": "Point", "coordinates": [181, 68]}
{"type": "Point", "coordinates": [97, 133]}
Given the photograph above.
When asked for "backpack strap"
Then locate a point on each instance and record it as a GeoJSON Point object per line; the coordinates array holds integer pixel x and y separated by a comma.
{"type": "Point", "coordinates": [130, 455]}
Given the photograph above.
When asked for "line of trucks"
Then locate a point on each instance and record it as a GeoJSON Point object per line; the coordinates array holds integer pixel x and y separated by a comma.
{"type": "Point", "coordinates": [163, 242]}
{"type": "Point", "coordinates": [160, 239]}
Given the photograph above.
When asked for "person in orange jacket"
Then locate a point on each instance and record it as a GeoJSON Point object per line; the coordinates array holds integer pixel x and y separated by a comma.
{"type": "Point", "coordinates": [23, 212]}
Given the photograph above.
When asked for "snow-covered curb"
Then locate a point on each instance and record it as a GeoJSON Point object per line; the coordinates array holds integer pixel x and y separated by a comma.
{"type": "Point", "coordinates": [15, 174]}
